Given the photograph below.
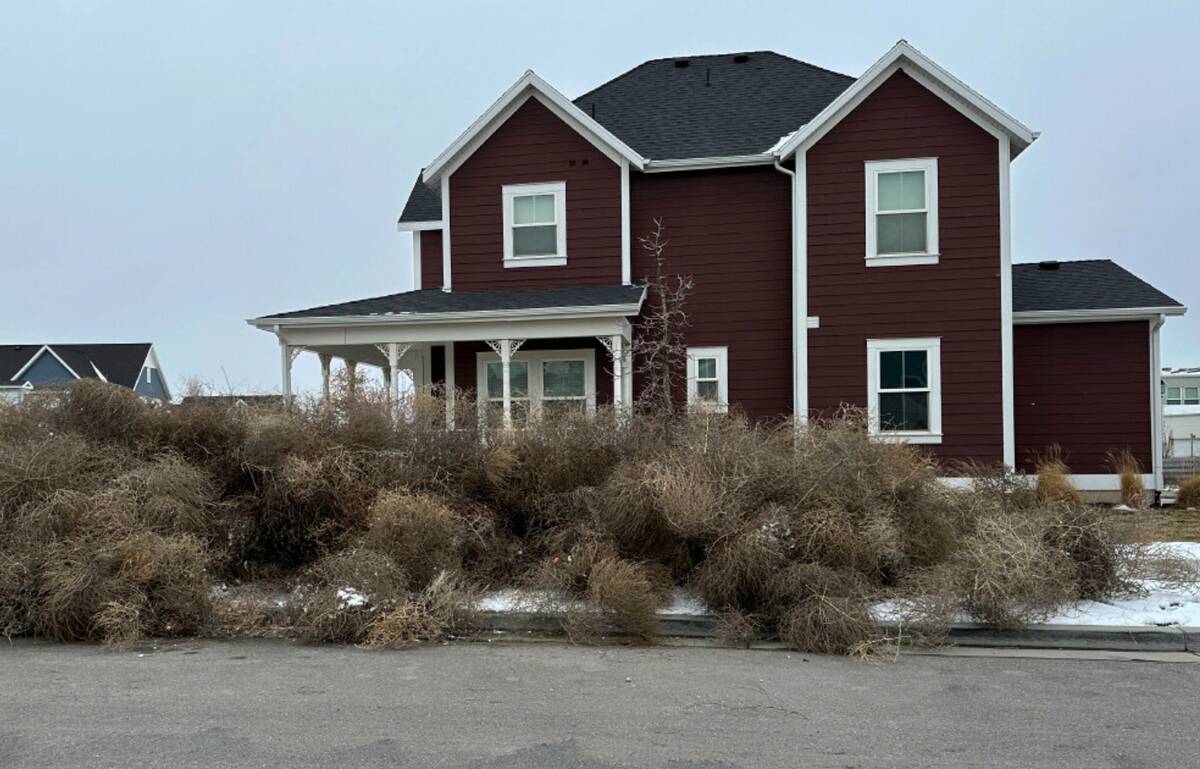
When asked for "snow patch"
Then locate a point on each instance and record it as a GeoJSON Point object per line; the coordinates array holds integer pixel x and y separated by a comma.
{"type": "Point", "coordinates": [349, 598]}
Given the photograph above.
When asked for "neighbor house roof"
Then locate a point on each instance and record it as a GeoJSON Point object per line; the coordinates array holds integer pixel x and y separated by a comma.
{"type": "Point", "coordinates": [118, 363]}
{"type": "Point", "coordinates": [1093, 284]}
{"type": "Point", "coordinates": [434, 301]}
{"type": "Point", "coordinates": [1182, 371]}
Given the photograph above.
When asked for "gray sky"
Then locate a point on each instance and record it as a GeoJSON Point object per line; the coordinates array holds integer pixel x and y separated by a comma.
{"type": "Point", "coordinates": [167, 172]}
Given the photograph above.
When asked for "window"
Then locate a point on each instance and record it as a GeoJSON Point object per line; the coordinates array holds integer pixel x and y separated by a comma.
{"type": "Point", "coordinates": [708, 378]}
{"type": "Point", "coordinates": [1183, 395]}
{"type": "Point", "coordinates": [535, 224]}
{"type": "Point", "coordinates": [902, 219]}
{"type": "Point", "coordinates": [904, 389]}
{"type": "Point", "coordinates": [542, 382]}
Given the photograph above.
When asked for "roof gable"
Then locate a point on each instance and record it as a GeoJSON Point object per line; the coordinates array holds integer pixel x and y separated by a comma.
{"type": "Point", "coordinates": [1088, 285]}
{"type": "Point", "coordinates": [918, 66]}
{"type": "Point", "coordinates": [117, 363]}
{"type": "Point", "coordinates": [529, 86]}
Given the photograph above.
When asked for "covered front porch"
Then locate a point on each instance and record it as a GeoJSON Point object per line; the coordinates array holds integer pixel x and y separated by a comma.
{"type": "Point", "coordinates": [520, 353]}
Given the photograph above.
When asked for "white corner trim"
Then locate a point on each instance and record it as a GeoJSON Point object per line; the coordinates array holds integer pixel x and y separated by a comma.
{"type": "Point", "coordinates": [952, 90]}
{"type": "Point", "coordinates": [626, 238]}
{"type": "Point", "coordinates": [509, 193]}
{"type": "Point", "coordinates": [44, 349]}
{"type": "Point", "coordinates": [446, 271]}
{"type": "Point", "coordinates": [530, 83]}
{"type": "Point", "coordinates": [1156, 406]}
{"type": "Point", "coordinates": [1007, 366]}
{"type": "Point", "coordinates": [416, 260]}
{"type": "Point", "coordinates": [721, 355]}
{"type": "Point", "coordinates": [929, 168]}
{"type": "Point", "coordinates": [1031, 317]}
{"type": "Point", "coordinates": [932, 346]}
{"type": "Point", "coordinates": [420, 226]}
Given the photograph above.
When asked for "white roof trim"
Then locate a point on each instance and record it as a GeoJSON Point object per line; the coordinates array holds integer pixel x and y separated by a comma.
{"type": "Point", "coordinates": [903, 56]}
{"type": "Point", "coordinates": [698, 164]}
{"type": "Point", "coordinates": [38, 354]}
{"type": "Point", "coordinates": [153, 362]}
{"type": "Point", "coordinates": [420, 226]}
{"type": "Point", "coordinates": [527, 84]}
{"type": "Point", "coordinates": [1088, 316]}
{"type": "Point", "coordinates": [533, 313]}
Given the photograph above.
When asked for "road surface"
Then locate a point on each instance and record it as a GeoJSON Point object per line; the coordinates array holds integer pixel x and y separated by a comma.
{"type": "Point", "coordinates": [543, 705]}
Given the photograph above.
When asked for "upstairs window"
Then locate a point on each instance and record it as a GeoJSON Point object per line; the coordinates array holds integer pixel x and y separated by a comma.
{"type": "Point", "coordinates": [535, 224]}
{"type": "Point", "coordinates": [904, 389]}
{"type": "Point", "coordinates": [708, 378]}
{"type": "Point", "coordinates": [902, 217]}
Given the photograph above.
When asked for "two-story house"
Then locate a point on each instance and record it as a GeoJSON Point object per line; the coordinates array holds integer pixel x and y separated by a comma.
{"type": "Point", "coordinates": [849, 242]}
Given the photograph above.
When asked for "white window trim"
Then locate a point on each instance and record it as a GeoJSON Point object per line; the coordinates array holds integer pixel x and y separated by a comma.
{"type": "Point", "coordinates": [930, 255]}
{"type": "Point", "coordinates": [933, 348]}
{"type": "Point", "coordinates": [559, 190]}
{"type": "Point", "coordinates": [693, 377]}
{"type": "Point", "coordinates": [535, 359]}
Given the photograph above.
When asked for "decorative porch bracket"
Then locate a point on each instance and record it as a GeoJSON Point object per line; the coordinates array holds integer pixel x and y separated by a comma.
{"type": "Point", "coordinates": [506, 348]}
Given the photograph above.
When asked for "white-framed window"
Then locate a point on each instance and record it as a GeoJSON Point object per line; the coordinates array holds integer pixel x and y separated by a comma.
{"type": "Point", "coordinates": [535, 224]}
{"type": "Point", "coordinates": [1183, 395]}
{"type": "Point", "coordinates": [904, 389]}
{"type": "Point", "coordinates": [902, 212]}
{"type": "Point", "coordinates": [708, 378]}
{"type": "Point", "coordinates": [540, 381]}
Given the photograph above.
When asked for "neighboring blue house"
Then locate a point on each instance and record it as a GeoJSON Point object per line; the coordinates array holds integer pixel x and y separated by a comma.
{"type": "Point", "coordinates": [28, 367]}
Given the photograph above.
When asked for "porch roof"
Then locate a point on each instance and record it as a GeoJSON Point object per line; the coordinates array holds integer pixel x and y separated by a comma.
{"type": "Point", "coordinates": [435, 304]}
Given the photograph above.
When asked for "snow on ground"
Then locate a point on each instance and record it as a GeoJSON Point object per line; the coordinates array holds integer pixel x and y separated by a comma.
{"type": "Point", "coordinates": [1160, 604]}
{"type": "Point", "coordinates": [349, 598]}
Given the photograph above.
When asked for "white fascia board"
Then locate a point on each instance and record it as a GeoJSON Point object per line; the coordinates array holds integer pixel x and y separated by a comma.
{"type": "Point", "coordinates": [309, 337]}
{"type": "Point", "coordinates": [700, 164]}
{"type": "Point", "coordinates": [903, 56]}
{"type": "Point", "coordinates": [44, 349]}
{"type": "Point", "coordinates": [564, 107]}
{"type": "Point", "coordinates": [1031, 317]}
{"type": "Point", "coordinates": [597, 311]}
{"type": "Point", "coordinates": [419, 226]}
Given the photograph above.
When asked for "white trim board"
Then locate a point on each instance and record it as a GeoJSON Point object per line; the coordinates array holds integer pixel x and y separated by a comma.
{"type": "Point", "coordinates": [529, 85]}
{"type": "Point", "coordinates": [420, 226]}
{"type": "Point", "coordinates": [44, 349]}
{"type": "Point", "coordinates": [1030, 317]}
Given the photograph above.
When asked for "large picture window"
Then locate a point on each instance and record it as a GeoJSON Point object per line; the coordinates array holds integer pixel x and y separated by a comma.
{"type": "Point", "coordinates": [902, 219]}
{"type": "Point", "coordinates": [535, 224]}
{"type": "Point", "coordinates": [904, 389]}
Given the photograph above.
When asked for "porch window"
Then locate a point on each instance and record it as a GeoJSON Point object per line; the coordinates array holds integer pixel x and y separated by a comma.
{"type": "Point", "coordinates": [535, 224]}
{"type": "Point", "coordinates": [904, 389]}
{"type": "Point", "coordinates": [544, 382]}
{"type": "Point", "coordinates": [902, 214]}
{"type": "Point", "coordinates": [708, 378]}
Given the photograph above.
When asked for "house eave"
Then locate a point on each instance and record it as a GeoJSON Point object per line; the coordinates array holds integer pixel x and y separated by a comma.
{"type": "Point", "coordinates": [703, 163]}
{"type": "Point", "coordinates": [1031, 317]}
{"type": "Point", "coordinates": [403, 226]}
{"type": "Point", "coordinates": [476, 316]}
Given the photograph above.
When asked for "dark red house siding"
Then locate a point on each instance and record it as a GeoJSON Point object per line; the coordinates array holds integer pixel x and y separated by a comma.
{"type": "Point", "coordinates": [957, 299]}
{"type": "Point", "coordinates": [431, 259]}
{"type": "Point", "coordinates": [731, 231]}
{"type": "Point", "coordinates": [533, 145]}
{"type": "Point", "coordinates": [1085, 387]}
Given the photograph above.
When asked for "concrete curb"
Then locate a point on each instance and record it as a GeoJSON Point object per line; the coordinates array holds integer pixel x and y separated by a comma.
{"type": "Point", "coordinates": [1086, 637]}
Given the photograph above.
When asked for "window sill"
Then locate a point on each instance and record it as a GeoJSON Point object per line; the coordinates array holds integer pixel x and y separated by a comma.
{"type": "Point", "coordinates": [535, 261]}
{"type": "Point", "coordinates": [902, 260]}
{"type": "Point", "coordinates": [925, 438]}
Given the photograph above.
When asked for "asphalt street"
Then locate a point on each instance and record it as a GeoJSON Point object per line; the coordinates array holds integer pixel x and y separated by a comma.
{"type": "Point", "coordinates": [543, 705]}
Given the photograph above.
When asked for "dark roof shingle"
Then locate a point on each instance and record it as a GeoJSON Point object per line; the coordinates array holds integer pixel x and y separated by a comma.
{"type": "Point", "coordinates": [434, 300]}
{"type": "Point", "coordinates": [1093, 284]}
{"type": "Point", "coordinates": [424, 204]}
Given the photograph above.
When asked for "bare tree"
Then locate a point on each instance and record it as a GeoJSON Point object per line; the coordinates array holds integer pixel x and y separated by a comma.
{"type": "Point", "coordinates": [659, 352]}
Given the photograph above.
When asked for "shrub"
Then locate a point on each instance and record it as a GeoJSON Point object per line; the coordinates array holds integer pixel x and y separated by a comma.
{"type": "Point", "coordinates": [343, 593]}
{"type": "Point", "coordinates": [105, 413]}
{"type": "Point", "coordinates": [1125, 464]}
{"type": "Point", "coordinates": [1054, 484]}
{"type": "Point", "coordinates": [1189, 492]}
{"type": "Point", "coordinates": [419, 531]}
{"type": "Point", "coordinates": [827, 624]}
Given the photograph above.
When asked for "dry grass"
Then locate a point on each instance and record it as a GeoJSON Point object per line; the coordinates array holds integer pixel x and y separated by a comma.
{"type": "Point", "coordinates": [1189, 492]}
{"type": "Point", "coordinates": [1133, 490]}
{"type": "Point", "coordinates": [419, 530]}
{"type": "Point", "coordinates": [1054, 484]}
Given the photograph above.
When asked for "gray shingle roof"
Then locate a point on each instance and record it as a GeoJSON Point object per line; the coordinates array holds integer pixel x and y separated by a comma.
{"type": "Point", "coordinates": [715, 106]}
{"type": "Point", "coordinates": [1093, 284]}
{"type": "Point", "coordinates": [120, 363]}
{"type": "Point", "coordinates": [434, 300]}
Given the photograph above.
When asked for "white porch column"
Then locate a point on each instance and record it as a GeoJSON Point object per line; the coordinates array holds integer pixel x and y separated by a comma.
{"type": "Point", "coordinates": [387, 381]}
{"type": "Point", "coordinates": [325, 359]}
{"type": "Point", "coordinates": [450, 385]}
{"type": "Point", "coordinates": [288, 355]}
{"type": "Point", "coordinates": [393, 382]}
{"type": "Point", "coordinates": [506, 387]}
{"type": "Point", "coordinates": [618, 361]}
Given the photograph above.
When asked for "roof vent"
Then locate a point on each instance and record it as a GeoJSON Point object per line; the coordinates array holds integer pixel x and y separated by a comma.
{"type": "Point", "coordinates": [681, 63]}
{"type": "Point", "coordinates": [1048, 265]}
{"type": "Point", "coordinates": [741, 58]}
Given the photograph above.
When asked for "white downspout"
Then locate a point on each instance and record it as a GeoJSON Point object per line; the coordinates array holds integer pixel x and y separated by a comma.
{"type": "Point", "coordinates": [799, 292]}
{"type": "Point", "coordinates": [1156, 408]}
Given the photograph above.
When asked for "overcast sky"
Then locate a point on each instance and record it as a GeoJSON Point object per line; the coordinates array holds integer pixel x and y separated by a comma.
{"type": "Point", "coordinates": [167, 172]}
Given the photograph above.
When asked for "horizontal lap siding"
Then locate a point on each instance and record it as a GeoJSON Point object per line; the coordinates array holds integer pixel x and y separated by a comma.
{"type": "Point", "coordinates": [1084, 387]}
{"type": "Point", "coordinates": [533, 145]}
{"type": "Point", "coordinates": [730, 230]}
{"type": "Point", "coordinates": [431, 259]}
{"type": "Point", "coordinates": [957, 300]}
